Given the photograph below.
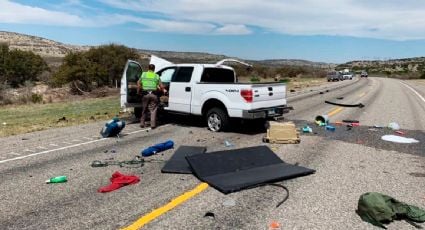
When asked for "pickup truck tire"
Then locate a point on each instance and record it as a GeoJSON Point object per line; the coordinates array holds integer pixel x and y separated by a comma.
{"type": "Point", "coordinates": [217, 119]}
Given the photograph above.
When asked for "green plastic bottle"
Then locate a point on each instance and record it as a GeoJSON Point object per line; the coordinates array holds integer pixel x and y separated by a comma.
{"type": "Point", "coordinates": [58, 179]}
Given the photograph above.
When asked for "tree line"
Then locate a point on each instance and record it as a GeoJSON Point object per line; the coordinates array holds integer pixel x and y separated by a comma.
{"type": "Point", "coordinates": [100, 65]}
{"type": "Point", "coordinates": [17, 66]}
{"type": "Point", "coordinates": [103, 66]}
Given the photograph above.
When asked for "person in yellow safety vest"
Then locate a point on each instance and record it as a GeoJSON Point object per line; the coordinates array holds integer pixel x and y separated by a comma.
{"type": "Point", "coordinates": [149, 84]}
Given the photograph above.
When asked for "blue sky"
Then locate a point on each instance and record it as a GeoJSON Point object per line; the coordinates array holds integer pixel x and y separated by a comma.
{"type": "Point", "coordinates": [330, 31]}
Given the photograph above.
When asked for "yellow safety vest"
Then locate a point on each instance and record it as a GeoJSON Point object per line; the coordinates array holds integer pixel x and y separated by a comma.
{"type": "Point", "coordinates": [149, 80]}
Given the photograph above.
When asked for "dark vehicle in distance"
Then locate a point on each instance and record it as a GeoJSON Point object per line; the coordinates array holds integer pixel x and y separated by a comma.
{"type": "Point", "coordinates": [334, 76]}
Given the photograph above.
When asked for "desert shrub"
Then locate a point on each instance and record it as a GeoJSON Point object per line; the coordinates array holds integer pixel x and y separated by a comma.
{"type": "Point", "coordinates": [255, 79]}
{"type": "Point", "coordinates": [102, 65]}
{"type": "Point", "coordinates": [17, 66]}
{"type": "Point", "coordinates": [36, 98]}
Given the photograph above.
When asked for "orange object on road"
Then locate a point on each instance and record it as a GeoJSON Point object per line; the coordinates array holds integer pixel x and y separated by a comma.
{"type": "Point", "coordinates": [339, 123]}
{"type": "Point", "coordinates": [274, 225]}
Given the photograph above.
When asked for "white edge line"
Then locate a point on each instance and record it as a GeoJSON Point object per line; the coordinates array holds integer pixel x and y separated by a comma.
{"type": "Point", "coordinates": [413, 90]}
{"type": "Point", "coordinates": [67, 147]}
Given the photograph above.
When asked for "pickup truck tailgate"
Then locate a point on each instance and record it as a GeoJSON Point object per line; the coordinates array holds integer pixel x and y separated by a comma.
{"type": "Point", "coordinates": [268, 92]}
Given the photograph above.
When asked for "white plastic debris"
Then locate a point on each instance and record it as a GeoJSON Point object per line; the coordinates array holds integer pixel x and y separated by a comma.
{"type": "Point", "coordinates": [399, 139]}
{"type": "Point", "coordinates": [4, 123]}
{"type": "Point", "coordinates": [229, 202]}
{"type": "Point", "coordinates": [394, 126]}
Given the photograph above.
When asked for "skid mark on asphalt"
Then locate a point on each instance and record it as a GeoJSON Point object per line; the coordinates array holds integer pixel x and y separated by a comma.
{"type": "Point", "coordinates": [172, 204]}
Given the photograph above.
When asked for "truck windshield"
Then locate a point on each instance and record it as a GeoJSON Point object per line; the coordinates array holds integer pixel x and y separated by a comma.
{"type": "Point", "coordinates": [218, 75]}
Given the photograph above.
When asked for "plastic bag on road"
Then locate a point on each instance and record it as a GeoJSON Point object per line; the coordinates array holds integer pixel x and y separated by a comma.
{"type": "Point", "coordinates": [394, 126]}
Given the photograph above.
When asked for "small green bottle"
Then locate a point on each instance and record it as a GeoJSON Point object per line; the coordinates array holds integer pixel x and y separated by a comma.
{"type": "Point", "coordinates": [58, 179]}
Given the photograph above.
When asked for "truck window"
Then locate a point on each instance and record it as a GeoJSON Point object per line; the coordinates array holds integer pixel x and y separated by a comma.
{"type": "Point", "coordinates": [184, 74]}
{"type": "Point", "coordinates": [218, 75]}
{"type": "Point", "coordinates": [166, 75]}
{"type": "Point", "coordinates": [133, 72]}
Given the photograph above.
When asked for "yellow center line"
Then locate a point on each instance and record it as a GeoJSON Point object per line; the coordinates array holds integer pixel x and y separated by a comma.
{"type": "Point", "coordinates": [335, 111]}
{"type": "Point", "coordinates": [161, 210]}
{"type": "Point", "coordinates": [362, 94]}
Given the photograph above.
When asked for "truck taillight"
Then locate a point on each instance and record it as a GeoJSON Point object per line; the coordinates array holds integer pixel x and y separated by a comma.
{"type": "Point", "coordinates": [247, 95]}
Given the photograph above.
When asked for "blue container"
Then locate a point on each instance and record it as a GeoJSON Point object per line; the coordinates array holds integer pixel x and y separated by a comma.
{"type": "Point", "coordinates": [330, 128]}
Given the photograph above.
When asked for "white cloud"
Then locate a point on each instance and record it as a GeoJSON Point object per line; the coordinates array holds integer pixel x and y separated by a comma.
{"type": "Point", "coordinates": [17, 13]}
{"type": "Point", "coordinates": [389, 19]}
{"type": "Point", "coordinates": [233, 30]}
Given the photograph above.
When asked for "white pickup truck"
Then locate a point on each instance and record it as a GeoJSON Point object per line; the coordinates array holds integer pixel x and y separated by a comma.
{"type": "Point", "coordinates": [208, 90]}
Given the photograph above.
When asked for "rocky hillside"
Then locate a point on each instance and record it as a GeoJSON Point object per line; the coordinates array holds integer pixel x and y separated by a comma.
{"type": "Point", "coordinates": [54, 51]}
{"type": "Point", "coordinates": [413, 67]}
{"type": "Point", "coordinates": [41, 46]}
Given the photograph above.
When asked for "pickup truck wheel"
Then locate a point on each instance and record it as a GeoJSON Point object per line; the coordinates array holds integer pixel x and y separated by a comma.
{"type": "Point", "coordinates": [217, 119]}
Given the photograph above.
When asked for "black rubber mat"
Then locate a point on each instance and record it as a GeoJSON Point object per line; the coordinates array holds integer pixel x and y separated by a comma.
{"type": "Point", "coordinates": [178, 162]}
{"type": "Point", "coordinates": [233, 170]}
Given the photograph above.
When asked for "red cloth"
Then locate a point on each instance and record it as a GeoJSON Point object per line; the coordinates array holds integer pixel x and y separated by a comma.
{"type": "Point", "coordinates": [119, 180]}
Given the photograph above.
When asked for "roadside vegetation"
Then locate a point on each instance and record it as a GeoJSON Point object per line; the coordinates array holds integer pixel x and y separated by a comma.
{"type": "Point", "coordinates": [17, 119]}
{"type": "Point", "coordinates": [408, 68]}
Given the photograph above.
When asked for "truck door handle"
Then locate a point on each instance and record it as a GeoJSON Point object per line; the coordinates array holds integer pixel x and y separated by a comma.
{"type": "Point", "coordinates": [187, 89]}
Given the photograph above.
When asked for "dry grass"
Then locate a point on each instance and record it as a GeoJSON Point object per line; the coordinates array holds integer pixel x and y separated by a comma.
{"type": "Point", "coordinates": [301, 83]}
{"type": "Point", "coordinates": [34, 117]}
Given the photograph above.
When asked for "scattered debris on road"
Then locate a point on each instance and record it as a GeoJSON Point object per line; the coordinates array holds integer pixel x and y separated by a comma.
{"type": "Point", "coordinates": [399, 139]}
{"type": "Point", "coordinates": [400, 132]}
{"type": "Point", "coordinates": [350, 121]}
{"type": "Point", "coordinates": [360, 105]}
{"type": "Point", "coordinates": [158, 148]}
{"type": "Point", "coordinates": [282, 133]}
{"type": "Point", "coordinates": [136, 161]}
{"type": "Point", "coordinates": [229, 202]}
{"type": "Point", "coordinates": [112, 128]}
{"type": "Point", "coordinates": [58, 179]}
{"type": "Point", "coordinates": [119, 180]}
{"type": "Point", "coordinates": [307, 129]}
{"type": "Point", "coordinates": [322, 120]}
{"type": "Point", "coordinates": [237, 169]}
{"type": "Point", "coordinates": [274, 225]}
{"type": "Point", "coordinates": [340, 98]}
{"type": "Point", "coordinates": [379, 209]}
{"type": "Point", "coordinates": [210, 214]}
{"type": "Point", "coordinates": [178, 163]}
{"type": "Point", "coordinates": [330, 128]}
{"type": "Point", "coordinates": [228, 143]}
{"type": "Point", "coordinates": [394, 126]}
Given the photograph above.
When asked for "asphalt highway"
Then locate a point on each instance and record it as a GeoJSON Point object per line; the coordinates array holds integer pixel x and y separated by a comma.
{"type": "Point", "coordinates": [348, 163]}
